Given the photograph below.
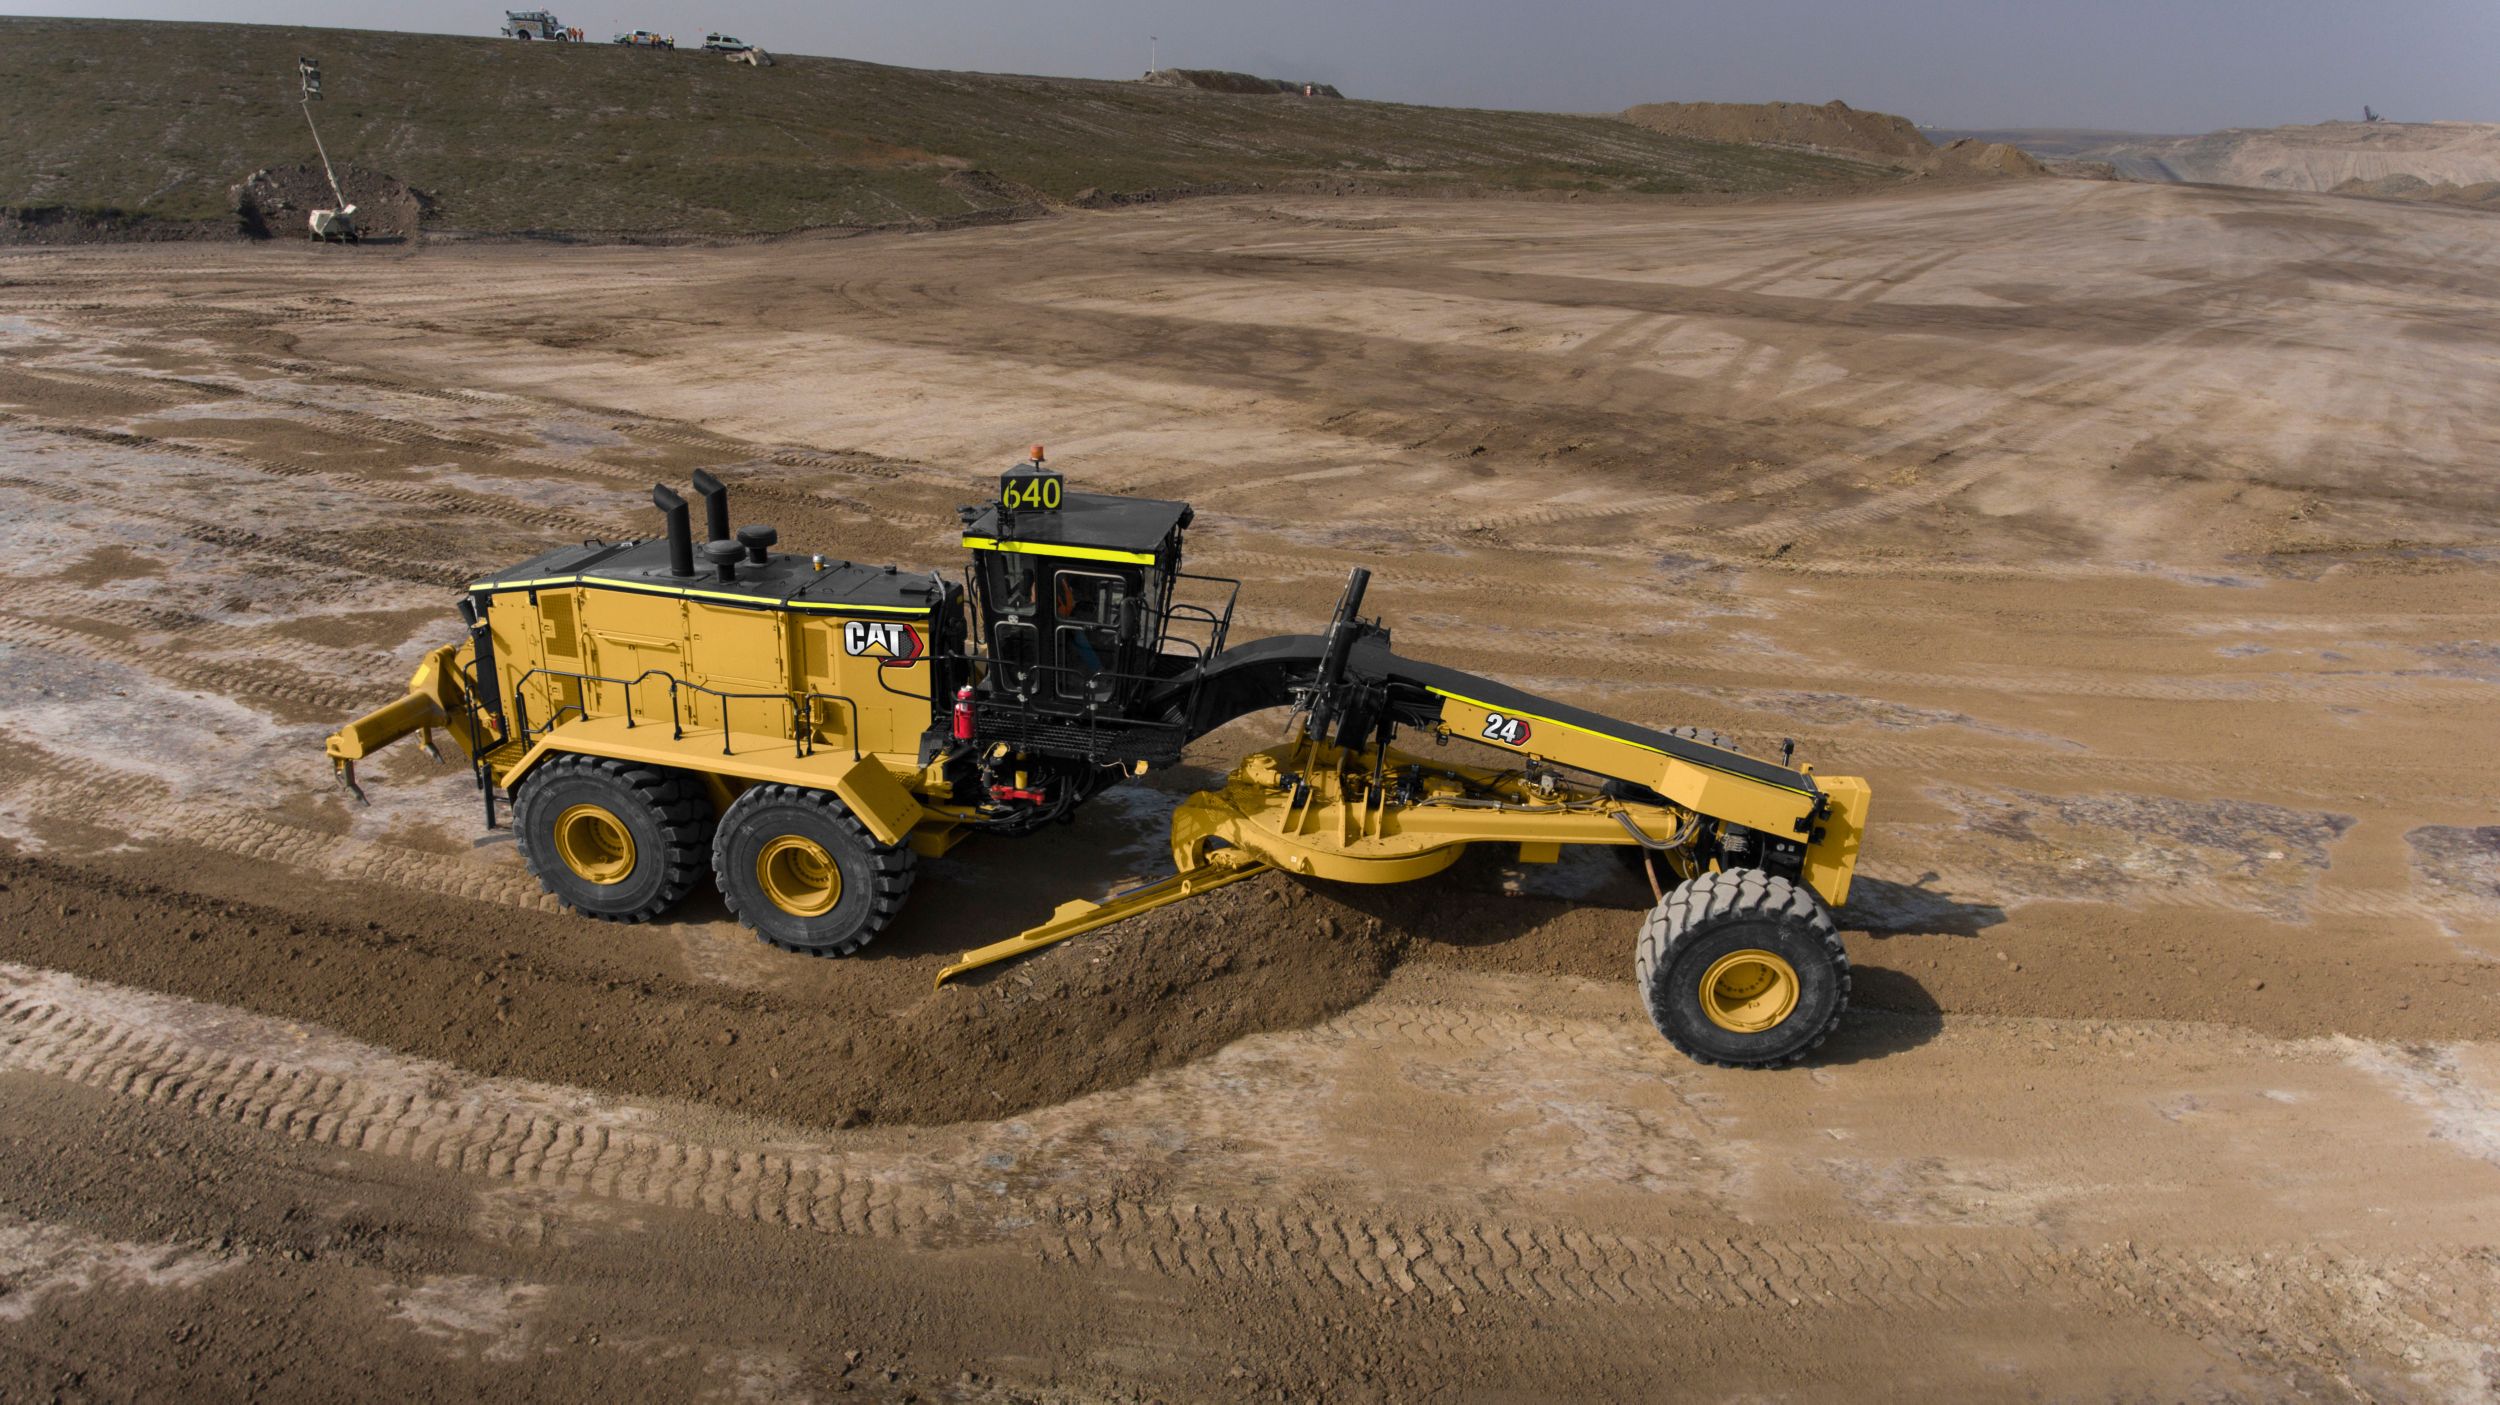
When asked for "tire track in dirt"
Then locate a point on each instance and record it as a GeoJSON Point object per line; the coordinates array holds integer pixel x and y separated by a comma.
{"type": "Point", "coordinates": [2315, 773]}
{"type": "Point", "coordinates": [418, 433]}
{"type": "Point", "coordinates": [2322, 689]}
{"type": "Point", "coordinates": [318, 1088]}
{"type": "Point", "coordinates": [453, 500]}
{"type": "Point", "coordinates": [2317, 900]}
{"type": "Point", "coordinates": [1280, 567]}
{"type": "Point", "coordinates": [242, 682]}
{"type": "Point", "coordinates": [1949, 430]}
{"type": "Point", "coordinates": [2304, 776]}
{"type": "Point", "coordinates": [282, 557]}
{"type": "Point", "coordinates": [167, 390]}
{"type": "Point", "coordinates": [71, 788]}
{"type": "Point", "coordinates": [218, 637]}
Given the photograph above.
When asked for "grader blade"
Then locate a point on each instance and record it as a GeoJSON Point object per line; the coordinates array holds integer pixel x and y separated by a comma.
{"type": "Point", "coordinates": [1075, 919]}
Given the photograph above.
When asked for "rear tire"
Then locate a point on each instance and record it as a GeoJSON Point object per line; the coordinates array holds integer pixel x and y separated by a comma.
{"type": "Point", "coordinates": [1743, 969]}
{"type": "Point", "coordinates": [798, 867]}
{"type": "Point", "coordinates": [610, 839]}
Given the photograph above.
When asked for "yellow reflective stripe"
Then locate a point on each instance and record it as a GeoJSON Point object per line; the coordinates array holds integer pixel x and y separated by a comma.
{"type": "Point", "coordinates": [1609, 737]}
{"type": "Point", "coordinates": [602, 583]}
{"type": "Point", "coordinates": [1084, 553]}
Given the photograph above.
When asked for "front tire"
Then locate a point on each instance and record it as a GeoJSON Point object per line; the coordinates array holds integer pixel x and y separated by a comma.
{"type": "Point", "coordinates": [1743, 969]}
{"type": "Point", "coordinates": [798, 867]}
{"type": "Point", "coordinates": [612, 840]}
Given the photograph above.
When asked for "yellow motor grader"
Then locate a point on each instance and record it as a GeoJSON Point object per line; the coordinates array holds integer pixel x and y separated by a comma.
{"type": "Point", "coordinates": [806, 728]}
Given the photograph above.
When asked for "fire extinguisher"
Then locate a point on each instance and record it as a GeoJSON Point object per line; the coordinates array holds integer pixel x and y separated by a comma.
{"type": "Point", "coordinates": [963, 713]}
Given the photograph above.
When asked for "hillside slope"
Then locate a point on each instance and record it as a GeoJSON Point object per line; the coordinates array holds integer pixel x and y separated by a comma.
{"type": "Point", "coordinates": [161, 120]}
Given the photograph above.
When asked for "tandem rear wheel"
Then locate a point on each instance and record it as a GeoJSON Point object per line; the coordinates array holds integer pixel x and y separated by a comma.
{"type": "Point", "coordinates": [798, 867]}
{"type": "Point", "coordinates": [611, 839]}
{"type": "Point", "coordinates": [1742, 968]}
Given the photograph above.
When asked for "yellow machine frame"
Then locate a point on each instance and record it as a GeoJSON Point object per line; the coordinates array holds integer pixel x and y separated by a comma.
{"type": "Point", "coordinates": [831, 691]}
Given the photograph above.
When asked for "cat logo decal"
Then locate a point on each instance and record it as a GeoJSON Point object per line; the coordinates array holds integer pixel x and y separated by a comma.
{"type": "Point", "coordinates": [890, 640]}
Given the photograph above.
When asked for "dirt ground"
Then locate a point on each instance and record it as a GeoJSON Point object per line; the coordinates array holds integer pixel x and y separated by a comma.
{"type": "Point", "coordinates": [2136, 542]}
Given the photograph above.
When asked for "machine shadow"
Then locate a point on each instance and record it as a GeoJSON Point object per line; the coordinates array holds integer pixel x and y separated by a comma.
{"type": "Point", "coordinates": [1890, 1011]}
{"type": "Point", "coordinates": [1870, 1032]}
{"type": "Point", "coordinates": [999, 887]}
{"type": "Point", "coordinates": [1882, 908]}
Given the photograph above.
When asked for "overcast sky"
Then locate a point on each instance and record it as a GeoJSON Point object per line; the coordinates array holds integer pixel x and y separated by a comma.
{"type": "Point", "coordinates": [2143, 65]}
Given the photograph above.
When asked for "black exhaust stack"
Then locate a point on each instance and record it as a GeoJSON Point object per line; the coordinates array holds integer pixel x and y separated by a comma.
{"type": "Point", "coordinates": [680, 529]}
{"type": "Point", "coordinates": [715, 506]}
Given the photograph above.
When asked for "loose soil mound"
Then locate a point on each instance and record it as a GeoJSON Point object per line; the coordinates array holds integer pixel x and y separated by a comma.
{"type": "Point", "coordinates": [502, 991]}
{"type": "Point", "coordinates": [276, 201]}
{"type": "Point", "coordinates": [1970, 156]}
{"type": "Point", "coordinates": [1217, 80]}
{"type": "Point", "coordinates": [2484, 195]}
{"type": "Point", "coordinates": [1833, 126]}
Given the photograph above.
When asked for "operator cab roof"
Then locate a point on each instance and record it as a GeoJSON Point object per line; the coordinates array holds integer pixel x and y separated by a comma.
{"type": "Point", "coordinates": [1134, 528]}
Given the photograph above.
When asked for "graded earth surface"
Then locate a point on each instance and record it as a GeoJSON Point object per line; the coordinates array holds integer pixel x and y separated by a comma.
{"type": "Point", "coordinates": [2136, 542]}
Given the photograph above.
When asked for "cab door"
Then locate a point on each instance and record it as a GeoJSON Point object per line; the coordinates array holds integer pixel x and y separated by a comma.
{"type": "Point", "coordinates": [1091, 614]}
{"type": "Point", "coordinates": [1012, 592]}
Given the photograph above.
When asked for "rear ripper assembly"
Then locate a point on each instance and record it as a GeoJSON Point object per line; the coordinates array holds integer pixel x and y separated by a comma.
{"type": "Point", "coordinates": [806, 728]}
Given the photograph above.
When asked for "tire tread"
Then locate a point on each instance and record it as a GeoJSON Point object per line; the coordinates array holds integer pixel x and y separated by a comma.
{"type": "Point", "coordinates": [1695, 905]}
{"type": "Point", "coordinates": [676, 798]}
{"type": "Point", "coordinates": [895, 864]}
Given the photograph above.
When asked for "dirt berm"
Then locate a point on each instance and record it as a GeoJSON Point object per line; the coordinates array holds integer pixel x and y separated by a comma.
{"type": "Point", "coordinates": [2484, 195]}
{"type": "Point", "coordinates": [524, 993]}
{"type": "Point", "coordinates": [1834, 127]}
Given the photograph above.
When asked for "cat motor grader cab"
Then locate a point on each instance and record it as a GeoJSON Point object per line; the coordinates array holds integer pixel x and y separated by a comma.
{"type": "Point", "coordinates": [807, 728]}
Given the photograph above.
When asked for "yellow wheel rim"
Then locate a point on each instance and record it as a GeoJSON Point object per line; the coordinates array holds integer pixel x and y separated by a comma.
{"type": "Point", "coordinates": [595, 844]}
{"type": "Point", "coordinates": [799, 876]}
{"type": "Point", "coordinates": [1747, 992]}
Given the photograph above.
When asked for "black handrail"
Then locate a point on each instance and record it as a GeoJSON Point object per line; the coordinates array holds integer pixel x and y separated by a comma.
{"type": "Point", "coordinates": [803, 739]}
{"type": "Point", "coordinates": [1219, 625]}
{"type": "Point", "coordinates": [1047, 702]}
